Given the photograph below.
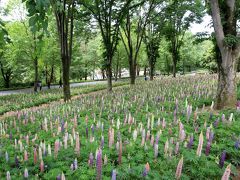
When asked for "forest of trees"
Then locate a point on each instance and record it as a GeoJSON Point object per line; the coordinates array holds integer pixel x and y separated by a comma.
{"type": "Point", "coordinates": [68, 40]}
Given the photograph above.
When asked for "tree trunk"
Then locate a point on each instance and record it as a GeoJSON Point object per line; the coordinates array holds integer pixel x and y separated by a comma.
{"type": "Point", "coordinates": [225, 23]}
{"type": "Point", "coordinates": [138, 70]}
{"type": "Point", "coordinates": [145, 72]}
{"type": "Point", "coordinates": [109, 77]}
{"type": "Point", "coordinates": [51, 78]}
{"type": "Point", "coordinates": [238, 69]}
{"type": "Point", "coordinates": [174, 68]}
{"type": "Point", "coordinates": [119, 72]}
{"type": "Point", "coordinates": [227, 88]}
{"type": "Point", "coordinates": [65, 75]}
{"type": "Point", "coordinates": [116, 75]}
{"type": "Point", "coordinates": [132, 71]}
{"type": "Point", "coordinates": [49, 84]}
{"type": "Point", "coordinates": [151, 66]}
{"type": "Point", "coordinates": [152, 62]}
{"type": "Point", "coordinates": [103, 74]}
{"type": "Point", "coordinates": [64, 19]}
{"type": "Point", "coordinates": [183, 70]}
{"type": "Point", "coordinates": [117, 67]}
{"type": "Point", "coordinates": [93, 77]}
{"type": "Point", "coordinates": [36, 74]}
{"type": "Point", "coordinates": [46, 76]}
{"type": "Point", "coordinates": [6, 76]}
{"type": "Point", "coordinates": [7, 81]}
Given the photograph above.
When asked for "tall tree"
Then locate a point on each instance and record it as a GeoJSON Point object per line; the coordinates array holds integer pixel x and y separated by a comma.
{"type": "Point", "coordinates": [136, 21]}
{"type": "Point", "coordinates": [50, 57]}
{"type": "Point", "coordinates": [64, 17]}
{"type": "Point", "coordinates": [64, 14]}
{"type": "Point", "coordinates": [109, 15]}
{"type": "Point", "coordinates": [152, 37]}
{"type": "Point", "coordinates": [152, 41]}
{"type": "Point", "coordinates": [225, 15]}
{"type": "Point", "coordinates": [179, 15]}
{"type": "Point", "coordinates": [5, 70]}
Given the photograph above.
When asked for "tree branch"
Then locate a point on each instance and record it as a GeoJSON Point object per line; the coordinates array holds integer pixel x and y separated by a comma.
{"type": "Point", "coordinates": [217, 22]}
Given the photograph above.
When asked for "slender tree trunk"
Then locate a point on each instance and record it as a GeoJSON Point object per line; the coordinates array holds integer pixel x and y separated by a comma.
{"type": "Point", "coordinates": [119, 72]}
{"type": "Point", "coordinates": [145, 72]}
{"type": "Point", "coordinates": [109, 77]}
{"type": "Point", "coordinates": [49, 84]}
{"type": "Point", "coordinates": [65, 75]}
{"type": "Point", "coordinates": [46, 76]}
{"type": "Point", "coordinates": [151, 65]}
{"type": "Point", "coordinates": [93, 72]}
{"type": "Point", "coordinates": [35, 74]}
{"type": "Point", "coordinates": [183, 67]}
{"type": "Point", "coordinates": [115, 75]}
{"type": "Point", "coordinates": [64, 19]}
{"type": "Point", "coordinates": [85, 74]}
{"type": "Point", "coordinates": [117, 66]}
{"type": "Point", "coordinates": [132, 71]}
{"type": "Point", "coordinates": [138, 70]}
{"type": "Point", "coordinates": [51, 78]}
{"type": "Point", "coordinates": [174, 68]}
{"type": "Point", "coordinates": [103, 74]}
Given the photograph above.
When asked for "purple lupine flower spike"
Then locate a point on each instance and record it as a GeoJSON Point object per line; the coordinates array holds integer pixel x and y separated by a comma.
{"type": "Point", "coordinates": [25, 173]}
{"type": "Point", "coordinates": [211, 136]}
{"type": "Point", "coordinates": [222, 159]}
{"type": "Point", "coordinates": [190, 143]}
{"type": "Point", "coordinates": [62, 126]}
{"type": "Point", "coordinates": [90, 160]}
{"type": "Point", "coordinates": [99, 165]}
{"type": "Point", "coordinates": [119, 135]}
{"type": "Point", "coordinates": [75, 164]}
{"type": "Point", "coordinates": [157, 139]}
{"type": "Point", "coordinates": [145, 172]}
{"type": "Point", "coordinates": [215, 124]}
{"type": "Point", "coordinates": [16, 162]}
{"type": "Point", "coordinates": [92, 128]}
{"type": "Point", "coordinates": [59, 177]}
{"type": "Point", "coordinates": [223, 117]}
{"type": "Point", "coordinates": [102, 141]}
{"type": "Point", "coordinates": [208, 148]}
{"type": "Point", "coordinates": [10, 135]}
{"type": "Point", "coordinates": [114, 174]}
{"type": "Point", "coordinates": [177, 148]}
{"type": "Point", "coordinates": [87, 132]}
{"type": "Point", "coordinates": [237, 144]}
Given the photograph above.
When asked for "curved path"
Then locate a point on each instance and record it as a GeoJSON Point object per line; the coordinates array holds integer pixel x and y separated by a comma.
{"type": "Point", "coordinates": [30, 90]}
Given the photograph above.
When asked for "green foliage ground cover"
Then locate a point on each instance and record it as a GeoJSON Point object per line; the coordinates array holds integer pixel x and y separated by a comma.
{"type": "Point", "coordinates": [125, 125]}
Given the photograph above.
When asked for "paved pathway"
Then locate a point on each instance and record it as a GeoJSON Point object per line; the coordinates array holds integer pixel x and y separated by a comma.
{"type": "Point", "coordinates": [30, 90]}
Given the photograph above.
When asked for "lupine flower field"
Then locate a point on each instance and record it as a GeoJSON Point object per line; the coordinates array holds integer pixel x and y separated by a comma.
{"type": "Point", "coordinates": [165, 129]}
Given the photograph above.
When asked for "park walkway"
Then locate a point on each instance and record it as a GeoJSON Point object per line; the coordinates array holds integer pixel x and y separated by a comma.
{"type": "Point", "coordinates": [30, 90]}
